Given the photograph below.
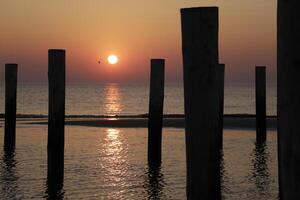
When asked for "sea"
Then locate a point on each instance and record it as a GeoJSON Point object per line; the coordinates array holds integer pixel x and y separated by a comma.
{"type": "Point", "coordinates": [128, 99]}
{"type": "Point", "coordinates": [111, 163]}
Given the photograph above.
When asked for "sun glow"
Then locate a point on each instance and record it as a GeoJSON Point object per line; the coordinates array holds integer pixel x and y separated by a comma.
{"type": "Point", "coordinates": [112, 59]}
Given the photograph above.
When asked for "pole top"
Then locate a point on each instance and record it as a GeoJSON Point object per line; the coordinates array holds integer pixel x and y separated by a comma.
{"type": "Point", "coordinates": [56, 50]}
{"type": "Point", "coordinates": [158, 59]}
{"type": "Point", "coordinates": [260, 66]}
{"type": "Point", "coordinates": [199, 9]}
{"type": "Point", "coordinates": [11, 64]}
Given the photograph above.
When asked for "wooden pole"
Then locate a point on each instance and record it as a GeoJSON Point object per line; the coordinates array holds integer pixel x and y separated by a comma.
{"type": "Point", "coordinates": [11, 73]}
{"type": "Point", "coordinates": [288, 105]}
{"type": "Point", "coordinates": [56, 76]}
{"type": "Point", "coordinates": [156, 104]}
{"type": "Point", "coordinates": [260, 96]}
{"type": "Point", "coordinates": [221, 78]}
{"type": "Point", "coordinates": [201, 101]}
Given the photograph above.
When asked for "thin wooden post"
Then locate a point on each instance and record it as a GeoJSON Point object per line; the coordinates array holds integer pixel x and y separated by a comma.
{"type": "Point", "coordinates": [156, 104]}
{"type": "Point", "coordinates": [260, 96]}
{"type": "Point", "coordinates": [56, 76]}
{"type": "Point", "coordinates": [221, 78]}
{"type": "Point", "coordinates": [288, 100]}
{"type": "Point", "coordinates": [11, 73]}
{"type": "Point", "coordinates": [201, 101]}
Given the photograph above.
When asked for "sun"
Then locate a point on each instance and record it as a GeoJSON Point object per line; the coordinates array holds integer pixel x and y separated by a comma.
{"type": "Point", "coordinates": [112, 59]}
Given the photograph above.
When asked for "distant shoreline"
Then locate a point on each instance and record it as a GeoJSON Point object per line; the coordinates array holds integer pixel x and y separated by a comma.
{"type": "Point", "coordinates": [231, 121]}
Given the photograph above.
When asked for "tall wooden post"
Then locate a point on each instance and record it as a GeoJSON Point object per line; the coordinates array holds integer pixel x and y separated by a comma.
{"type": "Point", "coordinates": [260, 100]}
{"type": "Point", "coordinates": [201, 101]}
{"type": "Point", "coordinates": [56, 76]}
{"type": "Point", "coordinates": [11, 73]}
{"type": "Point", "coordinates": [156, 104]}
{"type": "Point", "coordinates": [221, 78]}
{"type": "Point", "coordinates": [288, 106]}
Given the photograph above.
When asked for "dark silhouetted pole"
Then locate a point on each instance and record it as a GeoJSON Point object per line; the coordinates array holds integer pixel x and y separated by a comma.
{"type": "Point", "coordinates": [260, 100]}
{"type": "Point", "coordinates": [56, 123]}
{"type": "Point", "coordinates": [156, 105]}
{"type": "Point", "coordinates": [11, 73]}
{"type": "Point", "coordinates": [288, 105]}
{"type": "Point", "coordinates": [201, 101]}
{"type": "Point", "coordinates": [221, 78]}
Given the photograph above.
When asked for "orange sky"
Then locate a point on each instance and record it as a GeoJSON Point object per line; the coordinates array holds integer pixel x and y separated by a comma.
{"type": "Point", "coordinates": [135, 30]}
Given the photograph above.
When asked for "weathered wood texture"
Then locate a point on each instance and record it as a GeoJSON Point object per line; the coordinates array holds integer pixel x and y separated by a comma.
{"type": "Point", "coordinates": [56, 76]}
{"type": "Point", "coordinates": [11, 73]}
{"type": "Point", "coordinates": [288, 106]}
{"type": "Point", "coordinates": [201, 101]}
{"type": "Point", "coordinates": [260, 102]}
{"type": "Point", "coordinates": [221, 79]}
{"type": "Point", "coordinates": [156, 104]}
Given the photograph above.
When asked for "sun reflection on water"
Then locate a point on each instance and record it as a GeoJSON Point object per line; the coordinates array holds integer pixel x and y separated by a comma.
{"type": "Point", "coordinates": [113, 144]}
{"type": "Point", "coordinates": [113, 98]}
{"type": "Point", "coordinates": [115, 156]}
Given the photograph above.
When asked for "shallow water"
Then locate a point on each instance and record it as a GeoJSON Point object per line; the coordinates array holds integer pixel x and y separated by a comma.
{"type": "Point", "coordinates": [107, 163]}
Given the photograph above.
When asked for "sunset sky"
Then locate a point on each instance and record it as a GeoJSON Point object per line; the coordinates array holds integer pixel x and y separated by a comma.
{"type": "Point", "coordinates": [134, 30]}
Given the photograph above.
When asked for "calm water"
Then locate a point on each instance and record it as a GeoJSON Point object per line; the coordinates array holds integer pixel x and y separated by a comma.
{"type": "Point", "coordinates": [106, 163]}
{"type": "Point", "coordinates": [118, 99]}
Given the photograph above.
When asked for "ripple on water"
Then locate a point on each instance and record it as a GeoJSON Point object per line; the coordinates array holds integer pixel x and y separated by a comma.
{"type": "Point", "coordinates": [108, 163]}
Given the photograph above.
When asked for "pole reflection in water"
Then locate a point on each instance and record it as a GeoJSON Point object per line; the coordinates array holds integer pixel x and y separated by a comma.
{"type": "Point", "coordinates": [154, 183]}
{"type": "Point", "coordinates": [9, 176]}
{"type": "Point", "coordinates": [260, 170]}
{"type": "Point", "coordinates": [55, 190]}
{"type": "Point", "coordinates": [112, 105]}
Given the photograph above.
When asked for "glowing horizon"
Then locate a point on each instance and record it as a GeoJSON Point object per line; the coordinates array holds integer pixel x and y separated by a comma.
{"type": "Point", "coordinates": [134, 31]}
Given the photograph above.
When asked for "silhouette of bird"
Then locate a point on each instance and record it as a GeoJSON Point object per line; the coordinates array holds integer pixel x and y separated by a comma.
{"type": "Point", "coordinates": [99, 62]}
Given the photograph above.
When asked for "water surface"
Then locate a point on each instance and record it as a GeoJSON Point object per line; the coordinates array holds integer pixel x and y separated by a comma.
{"type": "Point", "coordinates": [109, 163]}
{"type": "Point", "coordinates": [124, 99]}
